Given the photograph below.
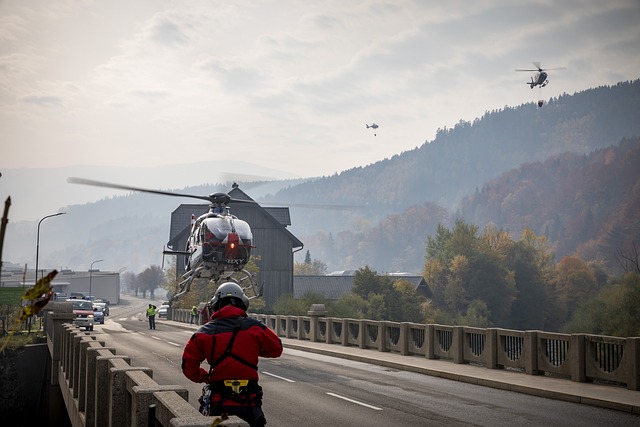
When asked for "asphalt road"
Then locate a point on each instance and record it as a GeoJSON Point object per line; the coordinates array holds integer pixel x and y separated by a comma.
{"type": "Point", "coordinates": [306, 389]}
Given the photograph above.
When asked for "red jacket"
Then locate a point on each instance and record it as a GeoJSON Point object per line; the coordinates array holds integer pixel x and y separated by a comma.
{"type": "Point", "coordinates": [253, 339]}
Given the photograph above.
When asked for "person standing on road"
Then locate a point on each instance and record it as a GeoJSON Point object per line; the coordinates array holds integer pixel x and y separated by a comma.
{"type": "Point", "coordinates": [194, 313]}
{"type": "Point", "coordinates": [151, 314]}
{"type": "Point", "coordinates": [231, 343]}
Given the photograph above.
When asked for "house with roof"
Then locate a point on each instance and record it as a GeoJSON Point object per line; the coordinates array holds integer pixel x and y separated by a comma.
{"type": "Point", "coordinates": [274, 244]}
{"type": "Point", "coordinates": [333, 286]}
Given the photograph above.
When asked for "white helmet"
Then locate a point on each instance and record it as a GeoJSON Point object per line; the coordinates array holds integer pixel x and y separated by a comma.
{"type": "Point", "coordinates": [229, 290]}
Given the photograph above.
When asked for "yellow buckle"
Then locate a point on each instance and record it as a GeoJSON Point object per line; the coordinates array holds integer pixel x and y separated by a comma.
{"type": "Point", "coordinates": [236, 384]}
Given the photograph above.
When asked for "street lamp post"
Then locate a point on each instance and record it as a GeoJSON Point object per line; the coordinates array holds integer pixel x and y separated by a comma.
{"type": "Point", "coordinates": [38, 239]}
{"type": "Point", "coordinates": [91, 274]}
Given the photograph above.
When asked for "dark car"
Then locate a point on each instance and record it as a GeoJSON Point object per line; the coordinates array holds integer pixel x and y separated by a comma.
{"type": "Point", "coordinates": [98, 314]}
{"type": "Point", "coordinates": [100, 302]}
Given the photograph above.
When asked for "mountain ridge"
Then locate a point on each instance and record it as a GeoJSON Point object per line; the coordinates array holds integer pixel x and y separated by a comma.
{"type": "Point", "coordinates": [436, 175]}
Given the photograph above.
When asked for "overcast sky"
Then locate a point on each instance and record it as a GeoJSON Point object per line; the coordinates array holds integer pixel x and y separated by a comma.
{"type": "Point", "coordinates": [285, 84]}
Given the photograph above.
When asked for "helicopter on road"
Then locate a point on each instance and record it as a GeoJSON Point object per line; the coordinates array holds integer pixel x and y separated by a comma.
{"type": "Point", "coordinates": [541, 76]}
{"type": "Point", "coordinates": [219, 245]}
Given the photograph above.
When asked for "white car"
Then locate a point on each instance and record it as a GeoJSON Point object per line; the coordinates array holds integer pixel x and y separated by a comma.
{"type": "Point", "coordinates": [162, 311]}
{"type": "Point", "coordinates": [83, 310]}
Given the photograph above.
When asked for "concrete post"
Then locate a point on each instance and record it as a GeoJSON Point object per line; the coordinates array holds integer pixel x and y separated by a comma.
{"type": "Point", "coordinates": [382, 336]}
{"type": "Point", "coordinates": [429, 341]}
{"type": "Point", "coordinates": [491, 349]}
{"type": "Point", "coordinates": [633, 351]}
{"type": "Point", "coordinates": [362, 333]}
{"type": "Point", "coordinates": [315, 311]}
{"type": "Point", "coordinates": [530, 352]}
{"type": "Point", "coordinates": [141, 388]}
{"type": "Point", "coordinates": [344, 332]}
{"type": "Point", "coordinates": [403, 340]}
{"type": "Point", "coordinates": [85, 342]}
{"type": "Point", "coordinates": [328, 335]}
{"type": "Point", "coordinates": [120, 405]}
{"type": "Point", "coordinates": [457, 346]}
{"type": "Point", "coordinates": [90, 399]}
{"type": "Point", "coordinates": [103, 400]}
{"type": "Point", "coordinates": [576, 353]}
{"type": "Point", "coordinates": [54, 321]}
{"type": "Point", "coordinates": [75, 364]}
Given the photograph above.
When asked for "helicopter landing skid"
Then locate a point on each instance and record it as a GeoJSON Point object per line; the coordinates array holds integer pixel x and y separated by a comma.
{"type": "Point", "coordinates": [184, 286]}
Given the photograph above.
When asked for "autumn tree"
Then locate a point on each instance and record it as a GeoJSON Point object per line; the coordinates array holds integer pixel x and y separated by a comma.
{"type": "Point", "coordinates": [150, 279]}
{"type": "Point", "coordinates": [614, 311]}
{"type": "Point", "coordinates": [309, 267]}
{"type": "Point", "coordinates": [572, 284]}
{"type": "Point", "coordinates": [463, 267]}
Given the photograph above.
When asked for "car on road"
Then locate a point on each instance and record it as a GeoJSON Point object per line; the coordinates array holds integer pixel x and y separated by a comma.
{"type": "Point", "coordinates": [76, 295]}
{"type": "Point", "coordinates": [162, 311]}
{"type": "Point", "coordinates": [100, 302]}
{"type": "Point", "coordinates": [98, 314]}
{"type": "Point", "coordinates": [83, 310]}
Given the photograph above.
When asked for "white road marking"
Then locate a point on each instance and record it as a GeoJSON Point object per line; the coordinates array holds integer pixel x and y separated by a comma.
{"type": "Point", "coordinates": [354, 401]}
{"type": "Point", "coordinates": [173, 343]}
{"type": "Point", "coordinates": [156, 338]}
{"type": "Point", "coordinates": [122, 319]}
{"type": "Point", "coordinates": [278, 376]}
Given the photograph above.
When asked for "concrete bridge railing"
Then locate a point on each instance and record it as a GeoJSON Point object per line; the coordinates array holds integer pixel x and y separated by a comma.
{"type": "Point", "coordinates": [578, 357]}
{"type": "Point", "coordinates": [102, 388]}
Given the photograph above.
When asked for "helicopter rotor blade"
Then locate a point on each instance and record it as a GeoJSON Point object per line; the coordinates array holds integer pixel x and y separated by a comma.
{"type": "Point", "coordinates": [93, 183]}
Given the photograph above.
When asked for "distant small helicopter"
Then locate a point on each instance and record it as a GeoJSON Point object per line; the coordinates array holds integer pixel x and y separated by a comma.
{"type": "Point", "coordinates": [219, 243]}
{"type": "Point", "coordinates": [541, 76]}
{"type": "Point", "coordinates": [372, 126]}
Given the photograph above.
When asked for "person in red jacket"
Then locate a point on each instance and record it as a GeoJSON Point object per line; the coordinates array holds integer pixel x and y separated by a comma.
{"type": "Point", "coordinates": [231, 343]}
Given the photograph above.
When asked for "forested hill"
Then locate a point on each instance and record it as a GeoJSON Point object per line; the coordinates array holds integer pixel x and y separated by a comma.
{"type": "Point", "coordinates": [394, 204]}
{"type": "Point", "coordinates": [461, 159]}
{"type": "Point", "coordinates": [588, 205]}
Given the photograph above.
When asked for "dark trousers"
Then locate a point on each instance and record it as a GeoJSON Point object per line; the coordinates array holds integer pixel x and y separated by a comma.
{"type": "Point", "coordinates": [152, 322]}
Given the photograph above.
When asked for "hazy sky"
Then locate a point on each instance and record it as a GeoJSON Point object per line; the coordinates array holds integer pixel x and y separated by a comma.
{"type": "Point", "coordinates": [284, 84]}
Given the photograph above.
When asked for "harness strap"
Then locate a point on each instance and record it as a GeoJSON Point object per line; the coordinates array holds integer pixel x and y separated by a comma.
{"type": "Point", "coordinates": [227, 351]}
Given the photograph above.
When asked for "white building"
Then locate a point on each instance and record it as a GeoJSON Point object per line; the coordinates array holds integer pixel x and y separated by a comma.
{"type": "Point", "coordinates": [100, 284]}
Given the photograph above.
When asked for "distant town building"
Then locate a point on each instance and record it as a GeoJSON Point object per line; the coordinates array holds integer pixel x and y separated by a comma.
{"type": "Point", "coordinates": [100, 284]}
{"type": "Point", "coordinates": [336, 284]}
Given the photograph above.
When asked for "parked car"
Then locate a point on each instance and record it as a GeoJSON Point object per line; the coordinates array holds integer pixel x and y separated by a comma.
{"type": "Point", "coordinates": [100, 302]}
{"type": "Point", "coordinates": [98, 314]}
{"type": "Point", "coordinates": [83, 310]}
{"type": "Point", "coordinates": [162, 311]}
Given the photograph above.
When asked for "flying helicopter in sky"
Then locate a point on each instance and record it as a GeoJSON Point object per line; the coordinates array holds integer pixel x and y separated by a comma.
{"type": "Point", "coordinates": [219, 244]}
{"type": "Point", "coordinates": [541, 76]}
{"type": "Point", "coordinates": [372, 126]}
